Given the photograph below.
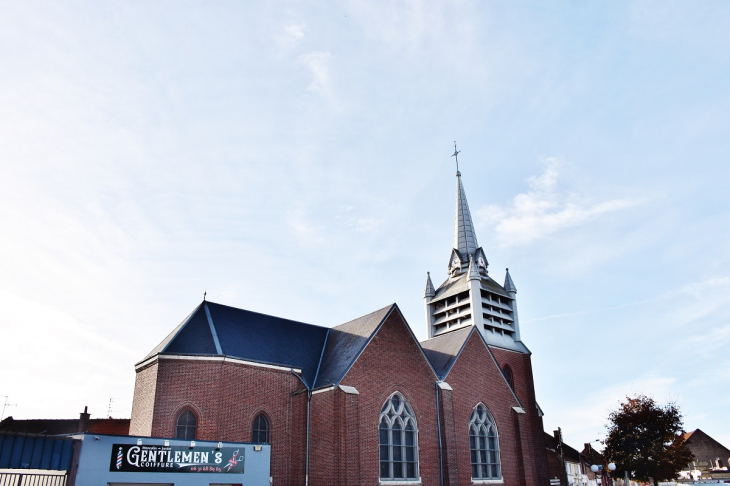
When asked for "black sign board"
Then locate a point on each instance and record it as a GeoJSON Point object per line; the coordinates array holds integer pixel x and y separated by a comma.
{"type": "Point", "coordinates": [157, 458]}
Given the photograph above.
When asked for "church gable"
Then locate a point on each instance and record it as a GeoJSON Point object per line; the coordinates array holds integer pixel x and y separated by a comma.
{"type": "Point", "coordinates": [345, 343]}
{"type": "Point", "coordinates": [476, 367]}
{"type": "Point", "coordinates": [392, 348]}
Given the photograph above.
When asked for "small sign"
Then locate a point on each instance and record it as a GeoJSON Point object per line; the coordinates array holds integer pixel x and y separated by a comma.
{"type": "Point", "coordinates": [156, 458]}
{"type": "Point", "coordinates": [554, 482]}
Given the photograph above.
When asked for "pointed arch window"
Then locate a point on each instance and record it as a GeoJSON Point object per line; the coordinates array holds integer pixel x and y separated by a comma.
{"type": "Point", "coordinates": [509, 376]}
{"type": "Point", "coordinates": [186, 425]}
{"type": "Point", "coordinates": [484, 445]}
{"type": "Point", "coordinates": [398, 440]}
{"type": "Point", "coordinates": [261, 429]}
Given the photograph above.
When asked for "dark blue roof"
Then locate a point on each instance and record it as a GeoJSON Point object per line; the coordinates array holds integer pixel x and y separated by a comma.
{"type": "Point", "coordinates": [268, 339]}
{"type": "Point", "coordinates": [247, 335]}
{"type": "Point", "coordinates": [345, 343]}
{"type": "Point", "coordinates": [324, 355]}
{"type": "Point", "coordinates": [442, 350]}
{"type": "Point", "coordinates": [195, 337]}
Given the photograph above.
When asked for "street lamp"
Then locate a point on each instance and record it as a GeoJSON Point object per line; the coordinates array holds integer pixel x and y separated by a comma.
{"type": "Point", "coordinates": [596, 468]}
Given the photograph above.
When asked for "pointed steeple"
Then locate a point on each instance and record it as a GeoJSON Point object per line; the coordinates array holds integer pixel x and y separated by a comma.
{"type": "Point", "coordinates": [465, 239]}
{"type": "Point", "coordinates": [473, 271]}
{"type": "Point", "coordinates": [429, 291]}
{"type": "Point", "coordinates": [509, 285]}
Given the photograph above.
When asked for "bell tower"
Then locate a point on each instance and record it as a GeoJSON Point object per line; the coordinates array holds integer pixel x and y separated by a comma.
{"type": "Point", "coordinates": [469, 296]}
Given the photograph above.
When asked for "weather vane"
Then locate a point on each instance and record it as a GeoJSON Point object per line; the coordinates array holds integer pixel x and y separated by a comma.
{"type": "Point", "coordinates": [456, 155]}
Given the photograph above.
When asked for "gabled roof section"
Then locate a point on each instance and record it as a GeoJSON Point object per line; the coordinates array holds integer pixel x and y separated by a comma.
{"type": "Point", "coordinates": [465, 239]}
{"type": "Point", "coordinates": [345, 343]}
{"type": "Point", "coordinates": [160, 347]}
{"type": "Point", "coordinates": [699, 436]}
{"type": "Point", "coordinates": [219, 330]}
{"type": "Point", "coordinates": [442, 350]}
{"type": "Point", "coordinates": [194, 337]}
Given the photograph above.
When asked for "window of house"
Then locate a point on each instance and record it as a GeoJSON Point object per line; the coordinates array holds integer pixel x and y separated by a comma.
{"type": "Point", "coordinates": [398, 440]}
{"type": "Point", "coordinates": [186, 425]}
{"type": "Point", "coordinates": [261, 429]}
{"type": "Point", "coordinates": [484, 445]}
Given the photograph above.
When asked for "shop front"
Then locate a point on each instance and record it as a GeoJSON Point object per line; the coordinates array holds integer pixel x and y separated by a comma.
{"type": "Point", "coordinates": [123, 460]}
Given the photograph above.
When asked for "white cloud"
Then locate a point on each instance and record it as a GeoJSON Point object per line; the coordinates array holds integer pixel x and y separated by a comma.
{"type": "Point", "coordinates": [318, 64]}
{"type": "Point", "coordinates": [293, 34]}
{"type": "Point", "coordinates": [543, 210]}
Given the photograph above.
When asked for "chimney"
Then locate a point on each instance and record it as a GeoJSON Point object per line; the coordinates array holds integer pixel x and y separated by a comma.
{"type": "Point", "coordinates": [84, 420]}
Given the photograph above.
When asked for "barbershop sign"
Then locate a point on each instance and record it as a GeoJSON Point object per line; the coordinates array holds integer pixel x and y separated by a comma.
{"type": "Point", "coordinates": [156, 458]}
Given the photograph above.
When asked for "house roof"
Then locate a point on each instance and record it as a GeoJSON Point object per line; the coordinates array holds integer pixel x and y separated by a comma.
{"type": "Point", "coordinates": [569, 453]}
{"type": "Point", "coordinates": [64, 426]}
{"type": "Point", "coordinates": [697, 437]}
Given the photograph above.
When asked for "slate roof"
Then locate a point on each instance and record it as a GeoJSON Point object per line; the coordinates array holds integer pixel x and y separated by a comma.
{"type": "Point", "coordinates": [323, 354]}
{"type": "Point", "coordinates": [465, 239]}
{"type": "Point", "coordinates": [442, 350]}
{"type": "Point", "coordinates": [247, 335]}
{"type": "Point", "coordinates": [345, 343]}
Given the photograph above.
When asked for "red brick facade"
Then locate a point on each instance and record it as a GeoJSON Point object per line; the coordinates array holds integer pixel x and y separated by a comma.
{"type": "Point", "coordinates": [226, 396]}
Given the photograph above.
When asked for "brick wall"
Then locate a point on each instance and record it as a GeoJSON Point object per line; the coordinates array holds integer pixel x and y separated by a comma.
{"type": "Point", "coordinates": [392, 362]}
{"type": "Point", "coordinates": [145, 386]}
{"type": "Point", "coordinates": [225, 398]}
{"type": "Point", "coordinates": [531, 426]}
{"type": "Point", "coordinates": [475, 378]}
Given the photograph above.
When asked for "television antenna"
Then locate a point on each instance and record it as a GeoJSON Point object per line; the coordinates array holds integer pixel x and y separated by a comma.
{"type": "Point", "coordinates": [6, 405]}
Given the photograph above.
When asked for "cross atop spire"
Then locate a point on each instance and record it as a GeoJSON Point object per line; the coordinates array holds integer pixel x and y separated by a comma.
{"type": "Point", "coordinates": [456, 156]}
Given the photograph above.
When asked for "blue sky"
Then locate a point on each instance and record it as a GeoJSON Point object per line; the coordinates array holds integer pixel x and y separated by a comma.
{"type": "Point", "coordinates": [294, 159]}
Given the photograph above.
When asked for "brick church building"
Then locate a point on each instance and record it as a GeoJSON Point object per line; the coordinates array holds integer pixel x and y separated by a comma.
{"type": "Point", "coordinates": [362, 403]}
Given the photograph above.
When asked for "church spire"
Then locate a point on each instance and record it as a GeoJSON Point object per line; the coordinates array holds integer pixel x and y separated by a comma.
{"type": "Point", "coordinates": [429, 291]}
{"type": "Point", "coordinates": [465, 239]}
{"type": "Point", "coordinates": [509, 285]}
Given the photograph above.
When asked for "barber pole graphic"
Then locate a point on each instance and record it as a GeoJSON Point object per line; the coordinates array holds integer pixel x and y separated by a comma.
{"type": "Point", "coordinates": [119, 459]}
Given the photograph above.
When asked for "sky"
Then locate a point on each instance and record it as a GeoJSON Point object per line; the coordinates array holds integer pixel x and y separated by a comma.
{"type": "Point", "coordinates": [293, 158]}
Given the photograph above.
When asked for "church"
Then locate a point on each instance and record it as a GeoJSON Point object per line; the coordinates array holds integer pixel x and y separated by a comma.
{"type": "Point", "coordinates": [362, 403]}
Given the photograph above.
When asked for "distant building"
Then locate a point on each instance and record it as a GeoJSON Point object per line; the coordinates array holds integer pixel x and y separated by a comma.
{"type": "Point", "coordinates": [564, 462]}
{"type": "Point", "coordinates": [363, 402]}
{"type": "Point", "coordinates": [711, 457]}
{"type": "Point", "coordinates": [50, 427]}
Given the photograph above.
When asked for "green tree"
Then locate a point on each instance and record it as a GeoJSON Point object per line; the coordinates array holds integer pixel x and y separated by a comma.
{"type": "Point", "coordinates": [646, 440]}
